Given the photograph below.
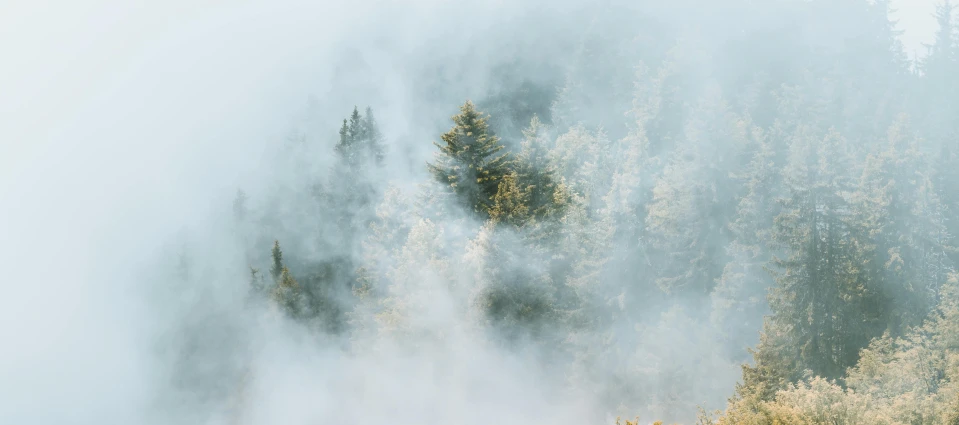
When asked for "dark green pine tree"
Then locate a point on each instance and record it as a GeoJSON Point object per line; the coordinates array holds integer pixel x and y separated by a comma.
{"type": "Point", "coordinates": [286, 293]}
{"type": "Point", "coordinates": [356, 125]}
{"type": "Point", "coordinates": [515, 292]}
{"type": "Point", "coordinates": [361, 151]}
{"type": "Point", "coordinates": [469, 162]}
{"type": "Point", "coordinates": [344, 146]}
{"type": "Point", "coordinates": [897, 205]}
{"type": "Point", "coordinates": [547, 195]}
{"type": "Point", "coordinates": [739, 299]}
{"type": "Point", "coordinates": [824, 309]}
{"type": "Point", "coordinates": [361, 143]}
{"type": "Point", "coordinates": [276, 269]}
{"type": "Point", "coordinates": [938, 110]}
{"type": "Point", "coordinates": [533, 193]}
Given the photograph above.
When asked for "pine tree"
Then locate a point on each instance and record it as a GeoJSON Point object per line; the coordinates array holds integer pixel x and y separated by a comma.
{"type": "Point", "coordinates": [344, 146]}
{"type": "Point", "coordinates": [355, 129]}
{"type": "Point", "coordinates": [824, 309]}
{"type": "Point", "coordinates": [939, 87]}
{"type": "Point", "coordinates": [677, 224]}
{"type": "Point", "coordinates": [469, 162]}
{"type": "Point", "coordinates": [692, 200]}
{"type": "Point", "coordinates": [419, 271]}
{"type": "Point", "coordinates": [547, 194]}
{"type": "Point", "coordinates": [532, 193]}
{"type": "Point", "coordinates": [511, 202]}
{"type": "Point", "coordinates": [938, 110]}
{"type": "Point", "coordinates": [276, 269]}
{"type": "Point", "coordinates": [739, 299]}
{"type": "Point", "coordinates": [513, 293]}
{"type": "Point", "coordinates": [256, 281]}
{"type": "Point", "coordinates": [286, 293]}
{"type": "Point", "coordinates": [897, 205]}
{"type": "Point", "coordinates": [585, 162]}
{"type": "Point", "coordinates": [351, 194]}
{"type": "Point", "coordinates": [361, 143]}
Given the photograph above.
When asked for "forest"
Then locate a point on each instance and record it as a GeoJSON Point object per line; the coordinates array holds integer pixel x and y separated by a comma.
{"type": "Point", "coordinates": [654, 227]}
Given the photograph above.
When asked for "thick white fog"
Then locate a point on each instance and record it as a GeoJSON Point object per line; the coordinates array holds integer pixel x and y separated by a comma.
{"type": "Point", "coordinates": [126, 129]}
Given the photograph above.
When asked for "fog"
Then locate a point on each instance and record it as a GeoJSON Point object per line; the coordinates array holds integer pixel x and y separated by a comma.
{"type": "Point", "coordinates": [128, 127]}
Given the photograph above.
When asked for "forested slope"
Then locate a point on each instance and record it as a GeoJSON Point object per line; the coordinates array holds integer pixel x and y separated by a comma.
{"type": "Point", "coordinates": [664, 221]}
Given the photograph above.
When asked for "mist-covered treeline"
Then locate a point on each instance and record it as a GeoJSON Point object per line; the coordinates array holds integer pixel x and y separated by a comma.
{"type": "Point", "coordinates": [742, 220]}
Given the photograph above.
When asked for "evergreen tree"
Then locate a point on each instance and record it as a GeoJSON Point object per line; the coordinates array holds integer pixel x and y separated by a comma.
{"type": "Point", "coordinates": [938, 109]}
{"type": "Point", "coordinates": [898, 205]}
{"type": "Point", "coordinates": [286, 293]}
{"type": "Point", "coordinates": [514, 293]}
{"type": "Point", "coordinates": [276, 269]}
{"type": "Point", "coordinates": [585, 163]}
{"type": "Point", "coordinates": [547, 194]}
{"type": "Point", "coordinates": [351, 194]}
{"type": "Point", "coordinates": [739, 299]}
{"type": "Point", "coordinates": [256, 282]}
{"type": "Point", "coordinates": [824, 309]}
{"type": "Point", "coordinates": [511, 202]}
{"type": "Point", "coordinates": [469, 162]}
{"type": "Point", "coordinates": [693, 199]}
{"type": "Point", "coordinates": [532, 193]}
{"type": "Point", "coordinates": [361, 143]}
{"type": "Point", "coordinates": [420, 270]}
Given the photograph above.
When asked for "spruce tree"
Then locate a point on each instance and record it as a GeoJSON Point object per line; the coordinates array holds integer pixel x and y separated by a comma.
{"type": "Point", "coordinates": [939, 88]}
{"type": "Point", "coordinates": [533, 193]}
{"type": "Point", "coordinates": [286, 293]}
{"type": "Point", "coordinates": [361, 152]}
{"type": "Point", "coordinates": [361, 143]}
{"type": "Point", "coordinates": [469, 162]}
{"type": "Point", "coordinates": [938, 110]}
{"type": "Point", "coordinates": [514, 293]}
{"type": "Point", "coordinates": [356, 130]}
{"type": "Point", "coordinates": [824, 309]}
{"type": "Point", "coordinates": [344, 148]}
{"type": "Point", "coordinates": [897, 205]}
{"type": "Point", "coordinates": [256, 281]}
{"type": "Point", "coordinates": [547, 194]}
{"type": "Point", "coordinates": [276, 269]}
{"type": "Point", "coordinates": [511, 202]}
{"type": "Point", "coordinates": [739, 299]}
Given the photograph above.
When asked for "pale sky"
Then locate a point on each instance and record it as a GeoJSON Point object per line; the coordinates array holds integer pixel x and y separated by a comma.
{"type": "Point", "coordinates": [916, 19]}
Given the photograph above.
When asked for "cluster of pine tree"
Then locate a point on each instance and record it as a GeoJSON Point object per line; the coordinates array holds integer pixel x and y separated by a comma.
{"type": "Point", "coordinates": [798, 218]}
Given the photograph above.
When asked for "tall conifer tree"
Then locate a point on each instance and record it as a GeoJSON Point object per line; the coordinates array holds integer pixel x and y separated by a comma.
{"type": "Point", "coordinates": [470, 162]}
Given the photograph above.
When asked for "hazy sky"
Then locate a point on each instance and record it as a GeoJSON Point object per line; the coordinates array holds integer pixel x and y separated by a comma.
{"type": "Point", "coordinates": [916, 19]}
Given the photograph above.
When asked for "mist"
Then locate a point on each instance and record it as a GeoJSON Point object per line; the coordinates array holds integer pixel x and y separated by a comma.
{"type": "Point", "coordinates": [153, 154]}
